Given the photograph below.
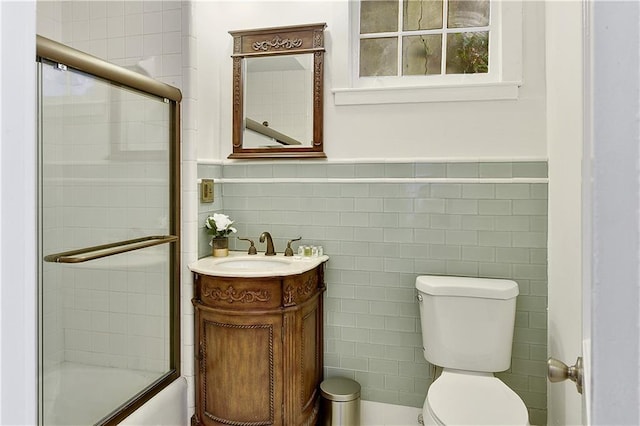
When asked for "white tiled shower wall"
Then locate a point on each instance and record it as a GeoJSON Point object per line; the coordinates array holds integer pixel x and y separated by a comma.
{"type": "Point", "coordinates": [382, 224]}
{"type": "Point", "coordinates": [113, 311]}
{"type": "Point", "coordinates": [148, 34]}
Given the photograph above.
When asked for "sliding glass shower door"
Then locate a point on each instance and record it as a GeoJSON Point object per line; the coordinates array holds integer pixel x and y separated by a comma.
{"type": "Point", "coordinates": [109, 221]}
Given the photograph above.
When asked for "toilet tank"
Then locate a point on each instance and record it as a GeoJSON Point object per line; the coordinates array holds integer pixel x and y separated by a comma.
{"type": "Point", "coordinates": [467, 323]}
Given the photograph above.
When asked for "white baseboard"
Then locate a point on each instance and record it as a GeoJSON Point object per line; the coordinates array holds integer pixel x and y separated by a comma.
{"type": "Point", "coordinates": [381, 414]}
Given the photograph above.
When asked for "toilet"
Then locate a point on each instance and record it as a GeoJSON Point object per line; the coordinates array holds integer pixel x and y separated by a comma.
{"type": "Point", "coordinates": [467, 329]}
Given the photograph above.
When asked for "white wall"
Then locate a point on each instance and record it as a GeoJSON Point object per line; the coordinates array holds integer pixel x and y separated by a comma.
{"type": "Point", "coordinates": [479, 130]}
{"type": "Point", "coordinates": [18, 214]}
{"type": "Point", "coordinates": [616, 218]}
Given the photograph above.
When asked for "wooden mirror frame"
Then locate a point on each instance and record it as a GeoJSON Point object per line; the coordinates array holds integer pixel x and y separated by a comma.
{"type": "Point", "coordinates": [298, 39]}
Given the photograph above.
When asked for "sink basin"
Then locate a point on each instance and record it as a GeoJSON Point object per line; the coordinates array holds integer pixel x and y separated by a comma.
{"type": "Point", "coordinates": [240, 264]}
{"type": "Point", "coordinates": [252, 264]}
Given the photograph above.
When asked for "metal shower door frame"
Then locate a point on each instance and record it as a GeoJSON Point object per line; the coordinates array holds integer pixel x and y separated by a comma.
{"type": "Point", "coordinates": [50, 50]}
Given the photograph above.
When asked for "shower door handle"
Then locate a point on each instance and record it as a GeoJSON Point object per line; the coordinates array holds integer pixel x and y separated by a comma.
{"type": "Point", "coordinates": [104, 250]}
{"type": "Point", "coordinates": [558, 371]}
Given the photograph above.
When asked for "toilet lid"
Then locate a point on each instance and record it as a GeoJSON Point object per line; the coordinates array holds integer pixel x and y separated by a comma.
{"type": "Point", "coordinates": [467, 399]}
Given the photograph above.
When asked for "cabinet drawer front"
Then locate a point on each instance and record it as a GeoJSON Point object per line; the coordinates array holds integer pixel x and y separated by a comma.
{"type": "Point", "coordinates": [237, 293]}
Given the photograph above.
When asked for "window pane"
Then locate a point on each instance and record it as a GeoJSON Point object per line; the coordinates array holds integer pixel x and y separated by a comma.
{"type": "Point", "coordinates": [422, 55]}
{"type": "Point", "coordinates": [422, 14]}
{"type": "Point", "coordinates": [377, 16]}
{"type": "Point", "coordinates": [468, 53]}
{"type": "Point", "coordinates": [468, 13]}
{"type": "Point", "coordinates": [378, 56]}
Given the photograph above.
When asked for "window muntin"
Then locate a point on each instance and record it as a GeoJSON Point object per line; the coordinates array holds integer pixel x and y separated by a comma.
{"type": "Point", "coordinates": [405, 38]}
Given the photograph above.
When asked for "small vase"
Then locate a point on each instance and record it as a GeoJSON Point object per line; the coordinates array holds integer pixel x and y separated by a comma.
{"type": "Point", "coordinates": [220, 246]}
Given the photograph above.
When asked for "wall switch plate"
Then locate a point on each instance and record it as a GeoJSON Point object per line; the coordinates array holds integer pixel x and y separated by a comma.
{"type": "Point", "coordinates": [206, 190]}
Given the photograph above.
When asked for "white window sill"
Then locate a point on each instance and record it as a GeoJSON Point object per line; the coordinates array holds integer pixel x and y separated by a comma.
{"type": "Point", "coordinates": [403, 95]}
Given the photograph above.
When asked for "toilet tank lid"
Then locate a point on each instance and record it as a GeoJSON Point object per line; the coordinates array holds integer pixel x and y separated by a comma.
{"type": "Point", "coordinates": [487, 288]}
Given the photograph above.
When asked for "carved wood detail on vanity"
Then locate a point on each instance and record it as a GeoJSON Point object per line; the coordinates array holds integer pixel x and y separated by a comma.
{"type": "Point", "coordinates": [259, 349]}
{"type": "Point", "coordinates": [231, 295]}
{"type": "Point", "coordinates": [299, 289]}
{"type": "Point", "coordinates": [235, 293]}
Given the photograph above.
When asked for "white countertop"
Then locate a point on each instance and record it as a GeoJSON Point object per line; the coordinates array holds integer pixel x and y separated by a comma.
{"type": "Point", "coordinates": [240, 264]}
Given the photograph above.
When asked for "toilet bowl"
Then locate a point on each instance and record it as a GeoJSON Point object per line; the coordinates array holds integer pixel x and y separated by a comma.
{"type": "Point", "coordinates": [467, 328]}
{"type": "Point", "coordinates": [466, 398]}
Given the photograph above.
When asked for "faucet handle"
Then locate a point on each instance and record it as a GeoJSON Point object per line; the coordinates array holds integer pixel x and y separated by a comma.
{"type": "Point", "coordinates": [289, 251]}
{"type": "Point", "coordinates": [252, 248]}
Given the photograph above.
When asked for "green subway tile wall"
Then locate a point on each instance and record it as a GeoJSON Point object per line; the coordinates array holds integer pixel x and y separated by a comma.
{"type": "Point", "coordinates": [383, 224]}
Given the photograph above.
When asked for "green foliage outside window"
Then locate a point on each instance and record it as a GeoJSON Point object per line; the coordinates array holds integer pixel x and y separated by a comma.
{"type": "Point", "coordinates": [472, 52]}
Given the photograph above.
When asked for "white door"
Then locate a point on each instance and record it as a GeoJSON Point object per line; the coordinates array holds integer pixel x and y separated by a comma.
{"type": "Point", "coordinates": [565, 98]}
{"type": "Point", "coordinates": [594, 293]}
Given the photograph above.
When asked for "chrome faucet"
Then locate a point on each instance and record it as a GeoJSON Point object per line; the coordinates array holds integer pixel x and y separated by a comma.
{"type": "Point", "coordinates": [270, 250]}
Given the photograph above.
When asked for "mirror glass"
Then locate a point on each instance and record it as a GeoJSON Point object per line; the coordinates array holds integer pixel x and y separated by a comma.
{"type": "Point", "coordinates": [278, 92]}
{"type": "Point", "coordinates": [278, 102]}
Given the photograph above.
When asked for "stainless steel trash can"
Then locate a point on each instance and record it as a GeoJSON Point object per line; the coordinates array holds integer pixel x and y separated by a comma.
{"type": "Point", "coordinates": [340, 402]}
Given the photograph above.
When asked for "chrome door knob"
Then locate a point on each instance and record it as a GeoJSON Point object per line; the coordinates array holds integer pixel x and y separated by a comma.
{"type": "Point", "coordinates": [558, 371]}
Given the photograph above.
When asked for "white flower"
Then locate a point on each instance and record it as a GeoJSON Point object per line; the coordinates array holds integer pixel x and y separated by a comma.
{"type": "Point", "coordinates": [219, 225]}
{"type": "Point", "coordinates": [222, 220]}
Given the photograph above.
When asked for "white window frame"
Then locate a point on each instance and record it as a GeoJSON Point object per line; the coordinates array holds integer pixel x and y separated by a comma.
{"type": "Point", "coordinates": [501, 82]}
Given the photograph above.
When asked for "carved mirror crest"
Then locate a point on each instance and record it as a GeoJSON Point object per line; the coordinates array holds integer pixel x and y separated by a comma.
{"type": "Point", "coordinates": [278, 92]}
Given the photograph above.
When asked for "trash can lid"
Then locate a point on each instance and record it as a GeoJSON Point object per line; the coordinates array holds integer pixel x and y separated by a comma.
{"type": "Point", "coordinates": [340, 389]}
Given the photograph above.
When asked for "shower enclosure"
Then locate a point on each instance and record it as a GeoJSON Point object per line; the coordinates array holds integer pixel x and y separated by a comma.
{"type": "Point", "coordinates": [108, 237]}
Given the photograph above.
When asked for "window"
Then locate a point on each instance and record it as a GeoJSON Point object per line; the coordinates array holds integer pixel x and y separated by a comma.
{"type": "Point", "coordinates": [424, 37]}
{"type": "Point", "coordinates": [433, 51]}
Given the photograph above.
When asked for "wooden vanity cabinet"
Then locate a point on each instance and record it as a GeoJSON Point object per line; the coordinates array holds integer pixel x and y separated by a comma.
{"type": "Point", "coordinates": [259, 348]}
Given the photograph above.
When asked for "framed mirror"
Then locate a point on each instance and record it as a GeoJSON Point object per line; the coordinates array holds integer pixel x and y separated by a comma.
{"type": "Point", "coordinates": [278, 92]}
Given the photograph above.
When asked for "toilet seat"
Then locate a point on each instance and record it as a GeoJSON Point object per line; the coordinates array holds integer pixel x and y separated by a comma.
{"type": "Point", "coordinates": [469, 398]}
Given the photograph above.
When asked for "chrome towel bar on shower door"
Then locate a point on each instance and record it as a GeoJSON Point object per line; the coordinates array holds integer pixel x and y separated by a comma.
{"type": "Point", "coordinates": [104, 250]}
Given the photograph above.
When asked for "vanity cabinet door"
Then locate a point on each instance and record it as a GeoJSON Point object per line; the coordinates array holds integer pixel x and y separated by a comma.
{"type": "Point", "coordinates": [307, 365]}
{"type": "Point", "coordinates": [240, 368]}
